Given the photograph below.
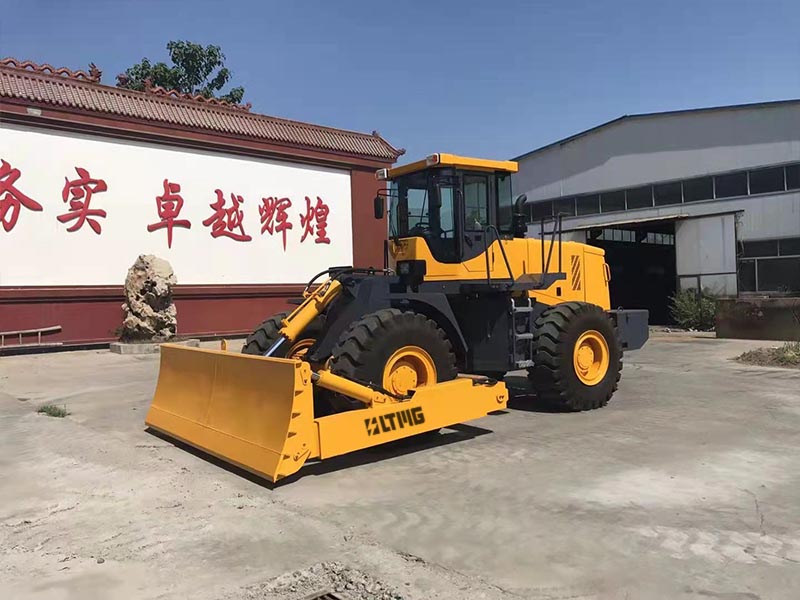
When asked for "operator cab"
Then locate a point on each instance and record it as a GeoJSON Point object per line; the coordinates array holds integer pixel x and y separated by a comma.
{"type": "Point", "coordinates": [458, 205]}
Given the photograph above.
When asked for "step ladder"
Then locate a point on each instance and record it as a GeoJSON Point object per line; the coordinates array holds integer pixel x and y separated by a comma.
{"type": "Point", "coordinates": [522, 333]}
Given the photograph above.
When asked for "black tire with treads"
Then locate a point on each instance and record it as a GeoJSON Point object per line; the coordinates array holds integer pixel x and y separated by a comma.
{"type": "Point", "coordinates": [553, 376]}
{"type": "Point", "coordinates": [268, 332]}
{"type": "Point", "coordinates": [364, 348]}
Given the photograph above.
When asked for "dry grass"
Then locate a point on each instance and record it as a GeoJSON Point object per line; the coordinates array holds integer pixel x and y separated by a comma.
{"type": "Point", "coordinates": [787, 355]}
{"type": "Point", "coordinates": [53, 410]}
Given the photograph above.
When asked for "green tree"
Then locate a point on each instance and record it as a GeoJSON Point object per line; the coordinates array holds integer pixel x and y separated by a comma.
{"type": "Point", "coordinates": [195, 70]}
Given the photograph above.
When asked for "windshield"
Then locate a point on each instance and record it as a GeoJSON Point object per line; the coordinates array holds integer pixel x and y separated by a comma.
{"type": "Point", "coordinates": [423, 205]}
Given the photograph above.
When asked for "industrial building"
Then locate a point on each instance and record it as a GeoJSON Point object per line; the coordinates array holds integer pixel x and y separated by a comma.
{"type": "Point", "coordinates": [706, 198]}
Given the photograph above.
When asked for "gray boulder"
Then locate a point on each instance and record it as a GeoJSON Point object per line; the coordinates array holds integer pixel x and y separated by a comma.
{"type": "Point", "coordinates": [150, 314]}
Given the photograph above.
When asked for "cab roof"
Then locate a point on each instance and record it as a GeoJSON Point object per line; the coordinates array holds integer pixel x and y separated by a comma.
{"type": "Point", "coordinates": [449, 160]}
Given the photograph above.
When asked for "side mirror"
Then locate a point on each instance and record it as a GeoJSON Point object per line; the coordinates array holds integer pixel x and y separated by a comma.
{"type": "Point", "coordinates": [378, 207]}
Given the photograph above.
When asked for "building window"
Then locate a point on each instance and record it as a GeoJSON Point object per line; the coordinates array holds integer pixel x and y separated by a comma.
{"type": "Point", "coordinates": [760, 248]}
{"type": "Point", "coordinates": [612, 201]}
{"type": "Point", "coordinates": [618, 235]}
{"type": "Point", "coordinates": [541, 210]}
{"type": "Point", "coordinates": [701, 188]}
{"type": "Point", "coordinates": [667, 193]}
{"type": "Point", "coordinates": [662, 239]}
{"type": "Point", "coordinates": [747, 275]}
{"type": "Point", "coordinates": [793, 177]}
{"type": "Point", "coordinates": [633, 236]}
{"type": "Point", "coordinates": [778, 275]}
{"type": "Point", "coordinates": [588, 205]}
{"type": "Point", "coordinates": [564, 206]}
{"type": "Point", "coordinates": [789, 247]}
{"type": "Point", "coordinates": [639, 197]}
{"type": "Point", "coordinates": [728, 186]}
{"type": "Point", "coordinates": [770, 266]}
{"type": "Point", "coordinates": [764, 181]}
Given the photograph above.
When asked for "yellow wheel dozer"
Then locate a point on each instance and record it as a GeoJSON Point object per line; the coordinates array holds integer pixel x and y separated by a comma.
{"type": "Point", "coordinates": [374, 355]}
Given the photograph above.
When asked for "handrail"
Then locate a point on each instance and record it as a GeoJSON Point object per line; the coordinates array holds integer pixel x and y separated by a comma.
{"type": "Point", "coordinates": [556, 230]}
{"type": "Point", "coordinates": [496, 233]}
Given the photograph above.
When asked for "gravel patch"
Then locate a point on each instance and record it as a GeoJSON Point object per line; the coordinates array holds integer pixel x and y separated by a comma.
{"type": "Point", "coordinates": [344, 581]}
{"type": "Point", "coordinates": [787, 355]}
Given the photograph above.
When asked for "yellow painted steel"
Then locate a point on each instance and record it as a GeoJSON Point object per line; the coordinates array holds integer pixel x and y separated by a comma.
{"type": "Point", "coordinates": [409, 367]}
{"type": "Point", "coordinates": [250, 411]}
{"type": "Point", "coordinates": [300, 348]}
{"type": "Point", "coordinates": [453, 160]}
{"type": "Point", "coordinates": [351, 389]}
{"type": "Point", "coordinates": [257, 412]}
{"type": "Point", "coordinates": [590, 357]}
{"type": "Point", "coordinates": [302, 316]}
{"type": "Point", "coordinates": [432, 407]}
{"type": "Point", "coordinates": [587, 277]}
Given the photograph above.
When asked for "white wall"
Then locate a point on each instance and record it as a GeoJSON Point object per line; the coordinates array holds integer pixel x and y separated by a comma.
{"type": "Point", "coordinates": [40, 251]}
{"type": "Point", "coordinates": [705, 253]}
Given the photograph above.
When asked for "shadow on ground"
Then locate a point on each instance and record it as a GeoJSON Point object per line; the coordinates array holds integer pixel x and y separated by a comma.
{"type": "Point", "coordinates": [521, 396]}
{"type": "Point", "coordinates": [425, 441]}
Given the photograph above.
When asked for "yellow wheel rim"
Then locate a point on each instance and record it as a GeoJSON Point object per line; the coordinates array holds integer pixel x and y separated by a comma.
{"type": "Point", "coordinates": [299, 349]}
{"type": "Point", "coordinates": [591, 358]}
{"type": "Point", "coordinates": [408, 368]}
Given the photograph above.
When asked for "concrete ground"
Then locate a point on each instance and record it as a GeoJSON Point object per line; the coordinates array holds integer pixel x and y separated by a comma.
{"type": "Point", "coordinates": [686, 486]}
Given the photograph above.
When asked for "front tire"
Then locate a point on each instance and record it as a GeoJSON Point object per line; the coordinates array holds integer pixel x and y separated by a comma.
{"type": "Point", "coordinates": [266, 334]}
{"type": "Point", "coordinates": [577, 355]}
{"type": "Point", "coordinates": [395, 350]}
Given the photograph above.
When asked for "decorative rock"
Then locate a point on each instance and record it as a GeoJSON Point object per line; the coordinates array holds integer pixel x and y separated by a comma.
{"type": "Point", "coordinates": [150, 314]}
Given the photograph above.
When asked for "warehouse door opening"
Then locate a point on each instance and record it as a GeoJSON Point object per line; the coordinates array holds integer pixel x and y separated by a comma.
{"type": "Point", "coordinates": [643, 265]}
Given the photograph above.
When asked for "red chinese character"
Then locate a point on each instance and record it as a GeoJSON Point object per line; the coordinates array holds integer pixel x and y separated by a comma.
{"type": "Point", "coordinates": [79, 193]}
{"type": "Point", "coordinates": [273, 214]}
{"type": "Point", "coordinates": [11, 199]}
{"type": "Point", "coordinates": [316, 216]}
{"type": "Point", "coordinates": [169, 207]}
{"type": "Point", "coordinates": [225, 220]}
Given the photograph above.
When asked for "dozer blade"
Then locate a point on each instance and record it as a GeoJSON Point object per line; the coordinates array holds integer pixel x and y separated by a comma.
{"type": "Point", "coordinates": [252, 411]}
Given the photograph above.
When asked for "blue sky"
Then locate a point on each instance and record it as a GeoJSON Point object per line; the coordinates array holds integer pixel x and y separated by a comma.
{"type": "Point", "coordinates": [492, 79]}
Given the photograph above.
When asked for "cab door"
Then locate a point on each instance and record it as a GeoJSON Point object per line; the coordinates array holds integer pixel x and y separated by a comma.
{"type": "Point", "coordinates": [476, 197]}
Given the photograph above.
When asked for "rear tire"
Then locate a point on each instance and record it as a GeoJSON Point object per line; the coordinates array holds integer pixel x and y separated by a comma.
{"type": "Point", "coordinates": [555, 377]}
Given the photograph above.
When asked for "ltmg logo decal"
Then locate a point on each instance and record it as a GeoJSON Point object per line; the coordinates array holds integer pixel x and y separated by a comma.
{"type": "Point", "coordinates": [396, 420]}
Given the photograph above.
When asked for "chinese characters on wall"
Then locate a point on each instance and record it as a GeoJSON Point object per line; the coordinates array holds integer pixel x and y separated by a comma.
{"type": "Point", "coordinates": [227, 217]}
{"type": "Point", "coordinates": [11, 199]}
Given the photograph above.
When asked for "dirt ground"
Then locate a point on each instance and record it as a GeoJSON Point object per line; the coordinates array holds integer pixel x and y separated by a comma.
{"type": "Point", "coordinates": [686, 486]}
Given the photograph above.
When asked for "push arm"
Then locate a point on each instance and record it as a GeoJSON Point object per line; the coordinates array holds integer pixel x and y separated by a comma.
{"type": "Point", "coordinates": [302, 316]}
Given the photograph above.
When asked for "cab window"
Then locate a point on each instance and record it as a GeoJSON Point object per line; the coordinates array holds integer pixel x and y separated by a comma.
{"type": "Point", "coordinates": [476, 202]}
{"type": "Point", "coordinates": [505, 203]}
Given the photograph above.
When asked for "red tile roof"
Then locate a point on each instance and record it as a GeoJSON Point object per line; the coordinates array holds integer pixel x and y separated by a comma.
{"type": "Point", "coordinates": [42, 84]}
